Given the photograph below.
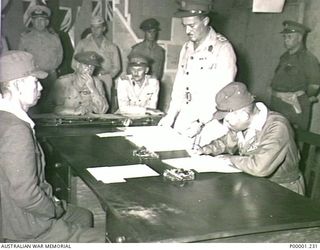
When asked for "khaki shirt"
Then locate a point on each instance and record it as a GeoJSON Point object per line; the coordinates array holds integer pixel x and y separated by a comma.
{"type": "Point", "coordinates": [295, 72]}
{"type": "Point", "coordinates": [268, 151]}
{"type": "Point", "coordinates": [156, 53]}
{"type": "Point", "coordinates": [72, 99]}
{"type": "Point", "coordinates": [44, 46]}
{"type": "Point", "coordinates": [133, 99]}
{"type": "Point", "coordinates": [202, 72]}
{"type": "Point", "coordinates": [108, 51]}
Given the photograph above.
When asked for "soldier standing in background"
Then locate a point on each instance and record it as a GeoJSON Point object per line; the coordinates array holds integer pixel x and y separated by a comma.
{"type": "Point", "coordinates": [296, 80]}
{"type": "Point", "coordinates": [45, 45]}
{"type": "Point", "coordinates": [97, 42]}
{"type": "Point", "coordinates": [149, 47]}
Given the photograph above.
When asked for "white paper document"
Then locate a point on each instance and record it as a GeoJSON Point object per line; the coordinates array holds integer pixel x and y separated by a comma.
{"type": "Point", "coordinates": [203, 163]}
{"type": "Point", "coordinates": [114, 134]}
{"type": "Point", "coordinates": [154, 138]}
{"type": "Point", "coordinates": [114, 174]}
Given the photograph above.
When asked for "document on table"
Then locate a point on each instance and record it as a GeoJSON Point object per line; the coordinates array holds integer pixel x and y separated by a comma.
{"type": "Point", "coordinates": [154, 138]}
{"type": "Point", "coordinates": [114, 174]}
{"type": "Point", "coordinates": [114, 134]}
{"type": "Point", "coordinates": [203, 163]}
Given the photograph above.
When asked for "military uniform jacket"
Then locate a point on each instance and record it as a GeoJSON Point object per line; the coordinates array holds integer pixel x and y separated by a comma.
{"type": "Point", "coordinates": [45, 47]}
{"type": "Point", "coordinates": [27, 203]}
{"type": "Point", "coordinates": [133, 99]}
{"type": "Point", "coordinates": [108, 51]}
{"type": "Point", "coordinates": [74, 100]}
{"type": "Point", "coordinates": [295, 72]}
{"type": "Point", "coordinates": [155, 53]}
{"type": "Point", "coordinates": [271, 152]}
{"type": "Point", "coordinates": [202, 72]}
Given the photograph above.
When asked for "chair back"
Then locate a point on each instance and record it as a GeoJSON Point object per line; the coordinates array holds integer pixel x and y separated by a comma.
{"type": "Point", "coordinates": [309, 144]}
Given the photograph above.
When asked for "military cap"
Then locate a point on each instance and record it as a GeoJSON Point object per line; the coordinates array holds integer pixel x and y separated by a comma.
{"type": "Point", "coordinates": [16, 64]}
{"type": "Point", "coordinates": [293, 27]}
{"type": "Point", "coordinates": [39, 11]}
{"type": "Point", "coordinates": [232, 97]}
{"type": "Point", "coordinates": [150, 24]}
{"type": "Point", "coordinates": [137, 59]}
{"type": "Point", "coordinates": [193, 8]}
{"type": "Point", "coordinates": [89, 58]}
{"type": "Point", "coordinates": [97, 20]}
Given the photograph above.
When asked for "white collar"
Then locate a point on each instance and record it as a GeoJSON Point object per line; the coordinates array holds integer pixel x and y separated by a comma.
{"type": "Point", "coordinates": [259, 119]}
{"type": "Point", "coordinates": [16, 110]}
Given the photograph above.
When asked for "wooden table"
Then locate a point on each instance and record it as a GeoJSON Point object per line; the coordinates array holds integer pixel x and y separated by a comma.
{"type": "Point", "coordinates": [214, 206]}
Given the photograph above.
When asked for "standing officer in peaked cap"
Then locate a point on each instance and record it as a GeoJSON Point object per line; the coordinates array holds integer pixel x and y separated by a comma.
{"type": "Point", "coordinates": [45, 45]}
{"type": "Point", "coordinates": [150, 48]}
{"type": "Point", "coordinates": [137, 91]}
{"type": "Point", "coordinates": [207, 63]}
{"type": "Point", "coordinates": [98, 42]}
{"type": "Point", "coordinates": [81, 93]}
{"type": "Point", "coordinates": [30, 211]}
{"type": "Point", "coordinates": [296, 80]}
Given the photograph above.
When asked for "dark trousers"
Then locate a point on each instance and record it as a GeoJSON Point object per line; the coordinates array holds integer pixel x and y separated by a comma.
{"type": "Point", "coordinates": [73, 227]}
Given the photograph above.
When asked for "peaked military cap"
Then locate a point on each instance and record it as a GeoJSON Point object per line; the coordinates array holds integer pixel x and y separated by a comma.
{"type": "Point", "coordinates": [89, 58]}
{"type": "Point", "coordinates": [137, 59]}
{"type": "Point", "coordinates": [293, 27]}
{"type": "Point", "coordinates": [97, 20]}
{"type": "Point", "coordinates": [150, 24]}
{"type": "Point", "coordinates": [16, 64]}
{"type": "Point", "coordinates": [39, 11]}
{"type": "Point", "coordinates": [193, 8]}
{"type": "Point", "coordinates": [232, 97]}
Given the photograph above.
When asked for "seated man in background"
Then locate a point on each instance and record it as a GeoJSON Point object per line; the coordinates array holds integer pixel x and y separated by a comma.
{"type": "Point", "coordinates": [137, 92]}
{"type": "Point", "coordinates": [80, 93]}
{"type": "Point", "coordinates": [30, 212]}
{"type": "Point", "coordinates": [263, 139]}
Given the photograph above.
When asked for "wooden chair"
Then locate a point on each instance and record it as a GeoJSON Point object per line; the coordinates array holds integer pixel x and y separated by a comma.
{"type": "Point", "coordinates": [309, 144]}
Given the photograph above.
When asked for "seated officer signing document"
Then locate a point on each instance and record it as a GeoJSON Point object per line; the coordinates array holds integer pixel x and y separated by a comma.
{"type": "Point", "coordinates": [29, 211]}
{"type": "Point", "coordinates": [262, 139]}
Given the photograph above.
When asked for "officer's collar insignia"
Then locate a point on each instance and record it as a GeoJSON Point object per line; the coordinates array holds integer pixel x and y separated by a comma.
{"type": "Point", "coordinates": [210, 48]}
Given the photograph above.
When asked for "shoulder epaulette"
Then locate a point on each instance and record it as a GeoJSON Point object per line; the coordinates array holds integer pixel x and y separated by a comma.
{"type": "Point", "coordinates": [124, 78]}
{"type": "Point", "coordinates": [26, 32]}
{"type": "Point", "coordinates": [221, 38]}
{"type": "Point", "coordinates": [65, 76]}
{"type": "Point", "coordinates": [152, 77]}
{"type": "Point", "coordinates": [51, 31]}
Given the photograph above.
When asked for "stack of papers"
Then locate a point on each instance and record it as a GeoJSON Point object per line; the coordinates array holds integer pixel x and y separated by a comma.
{"type": "Point", "coordinates": [203, 163]}
{"type": "Point", "coordinates": [114, 174]}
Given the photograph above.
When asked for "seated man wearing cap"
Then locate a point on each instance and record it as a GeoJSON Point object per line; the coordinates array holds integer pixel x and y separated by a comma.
{"type": "Point", "coordinates": [81, 93]}
{"type": "Point", "coordinates": [137, 92]}
{"type": "Point", "coordinates": [29, 211]}
{"type": "Point", "coordinates": [149, 47]}
{"type": "Point", "coordinates": [263, 139]}
{"type": "Point", "coordinates": [45, 45]}
{"type": "Point", "coordinates": [98, 42]}
{"type": "Point", "coordinates": [296, 81]}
